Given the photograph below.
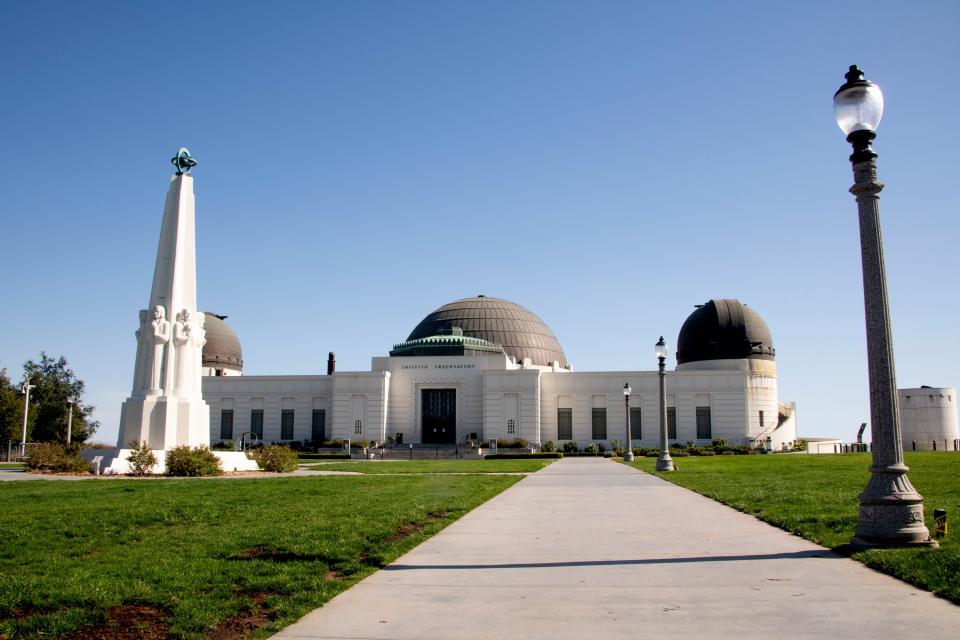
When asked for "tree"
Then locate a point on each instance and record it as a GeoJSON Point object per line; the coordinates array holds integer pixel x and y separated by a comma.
{"type": "Point", "coordinates": [54, 385]}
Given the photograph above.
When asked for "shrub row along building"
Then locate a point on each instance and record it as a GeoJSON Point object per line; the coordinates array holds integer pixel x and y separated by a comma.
{"type": "Point", "coordinates": [483, 368]}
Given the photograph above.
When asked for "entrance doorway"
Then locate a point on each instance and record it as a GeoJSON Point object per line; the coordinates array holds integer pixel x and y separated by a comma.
{"type": "Point", "coordinates": [438, 416]}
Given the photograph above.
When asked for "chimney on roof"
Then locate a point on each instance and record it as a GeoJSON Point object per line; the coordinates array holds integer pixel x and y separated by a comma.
{"type": "Point", "coordinates": [331, 363]}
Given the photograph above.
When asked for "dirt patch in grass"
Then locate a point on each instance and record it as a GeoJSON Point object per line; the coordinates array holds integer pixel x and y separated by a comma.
{"type": "Point", "coordinates": [242, 625]}
{"type": "Point", "coordinates": [128, 622]}
{"type": "Point", "coordinates": [405, 531]}
{"type": "Point", "coordinates": [277, 555]}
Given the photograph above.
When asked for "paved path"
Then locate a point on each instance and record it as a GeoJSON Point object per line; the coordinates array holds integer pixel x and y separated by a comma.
{"type": "Point", "coordinates": [591, 549]}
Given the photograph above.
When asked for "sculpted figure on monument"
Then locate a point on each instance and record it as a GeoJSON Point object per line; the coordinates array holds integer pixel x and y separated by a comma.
{"type": "Point", "coordinates": [183, 339]}
{"type": "Point", "coordinates": [139, 366]}
{"type": "Point", "coordinates": [159, 336]}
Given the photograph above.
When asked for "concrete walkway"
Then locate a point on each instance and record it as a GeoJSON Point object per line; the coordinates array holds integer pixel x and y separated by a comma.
{"type": "Point", "coordinates": [589, 548]}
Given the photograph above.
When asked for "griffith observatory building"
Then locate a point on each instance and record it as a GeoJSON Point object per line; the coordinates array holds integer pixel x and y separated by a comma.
{"type": "Point", "coordinates": [482, 368]}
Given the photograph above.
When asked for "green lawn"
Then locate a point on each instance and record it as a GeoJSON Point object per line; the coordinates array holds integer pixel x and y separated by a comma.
{"type": "Point", "coordinates": [12, 465]}
{"type": "Point", "coordinates": [434, 466]}
{"type": "Point", "coordinates": [195, 557]}
{"type": "Point", "coordinates": [815, 496]}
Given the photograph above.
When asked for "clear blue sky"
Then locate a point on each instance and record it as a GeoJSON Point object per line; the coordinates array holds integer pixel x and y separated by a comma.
{"type": "Point", "coordinates": [606, 164]}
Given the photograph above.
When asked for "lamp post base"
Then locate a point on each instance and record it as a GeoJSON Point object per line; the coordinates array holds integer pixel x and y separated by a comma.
{"type": "Point", "coordinates": [665, 462]}
{"type": "Point", "coordinates": [628, 456]}
{"type": "Point", "coordinates": [891, 512]}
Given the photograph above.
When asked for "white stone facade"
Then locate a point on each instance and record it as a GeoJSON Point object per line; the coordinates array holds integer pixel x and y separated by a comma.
{"type": "Point", "coordinates": [496, 398]}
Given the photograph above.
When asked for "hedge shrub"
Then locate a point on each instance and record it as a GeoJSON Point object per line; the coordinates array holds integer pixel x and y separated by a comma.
{"type": "Point", "coordinates": [200, 461]}
{"type": "Point", "coordinates": [276, 458]}
{"type": "Point", "coordinates": [141, 459]}
{"type": "Point", "coordinates": [55, 458]}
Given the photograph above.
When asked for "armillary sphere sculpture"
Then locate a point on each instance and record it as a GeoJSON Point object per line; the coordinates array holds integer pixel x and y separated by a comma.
{"type": "Point", "coordinates": [183, 161]}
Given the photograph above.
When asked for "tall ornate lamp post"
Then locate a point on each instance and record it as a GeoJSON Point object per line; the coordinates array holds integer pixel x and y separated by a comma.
{"type": "Point", "coordinates": [628, 456]}
{"type": "Point", "coordinates": [69, 419]}
{"type": "Point", "coordinates": [26, 411]}
{"type": "Point", "coordinates": [664, 462]}
{"type": "Point", "coordinates": [891, 510]}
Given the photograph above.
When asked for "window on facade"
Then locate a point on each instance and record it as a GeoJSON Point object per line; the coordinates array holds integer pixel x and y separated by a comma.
{"type": "Point", "coordinates": [635, 423]}
{"type": "Point", "coordinates": [511, 426]}
{"type": "Point", "coordinates": [318, 425]}
{"type": "Point", "coordinates": [671, 423]}
{"type": "Point", "coordinates": [358, 427]}
{"type": "Point", "coordinates": [761, 419]}
{"type": "Point", "coordinates": [704, 430]}
{"type": "Point", "coordinates": [226, 424]}
{"type": "Point", "coordinates": [564, 424]}
{"type": "Point", "coordinates": [286, 424]}
{"type": "Point", "coordinates": [599, 422]}
{"type": "Point", "coordinates": [256, 423]}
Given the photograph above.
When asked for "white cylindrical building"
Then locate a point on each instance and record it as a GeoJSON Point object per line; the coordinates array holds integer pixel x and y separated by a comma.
{"type": "Point", "coordinates": [928, 418]}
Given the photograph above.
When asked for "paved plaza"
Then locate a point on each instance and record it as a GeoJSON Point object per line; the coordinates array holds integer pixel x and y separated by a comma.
{"type": "Point", "coordinates": [589, 548]}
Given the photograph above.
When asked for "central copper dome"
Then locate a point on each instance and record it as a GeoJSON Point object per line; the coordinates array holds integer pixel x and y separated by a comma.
{"type": "Point", "coordinates": [519, 331]}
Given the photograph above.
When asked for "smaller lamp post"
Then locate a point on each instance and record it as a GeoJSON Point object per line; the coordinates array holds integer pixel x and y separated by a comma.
{"type": "Point", "coordinates": [628, 456]}
{"type": "Point", "coordinates": [664, 462]}
{"type": "Point", "coordinates": [69, 419]}
{"type": "Point", "coordinates": [26, 411]}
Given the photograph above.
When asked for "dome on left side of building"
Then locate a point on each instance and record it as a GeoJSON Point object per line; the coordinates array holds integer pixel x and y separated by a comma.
{"type": "Point", "coordinates": [222, 354]}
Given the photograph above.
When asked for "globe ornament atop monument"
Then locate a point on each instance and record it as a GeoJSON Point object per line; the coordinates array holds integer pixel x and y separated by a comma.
{"type": "Point", "coordinates": [183, 161]}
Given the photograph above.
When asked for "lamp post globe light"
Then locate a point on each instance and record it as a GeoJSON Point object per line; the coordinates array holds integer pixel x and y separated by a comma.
{"type": "Point", "coordinates": [628, 455]}
{"type": "Point", "coordinates": [664, 462]}
{"type": "Point", "coordinates": [891, 510]}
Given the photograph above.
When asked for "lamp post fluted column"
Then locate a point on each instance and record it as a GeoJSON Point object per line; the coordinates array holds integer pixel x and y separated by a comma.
{"type": "Point", "coordinates": [891, 510]}
{"type": "Point", "coordinates": [26, 412]}
{"type": "Point", "coordinates": [628, 454]}
{"type": "Point", "coordinates": [664, 462]}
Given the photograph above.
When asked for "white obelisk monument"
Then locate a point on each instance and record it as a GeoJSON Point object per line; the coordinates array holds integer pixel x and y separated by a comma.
{"type": "Point", "coordinates": [166, 408]}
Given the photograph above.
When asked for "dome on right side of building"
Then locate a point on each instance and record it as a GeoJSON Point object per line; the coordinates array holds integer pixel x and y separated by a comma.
{"type": "Point", "coordinates": [222, 348]}
{"type": "Point", "coordinates": [724, 329]}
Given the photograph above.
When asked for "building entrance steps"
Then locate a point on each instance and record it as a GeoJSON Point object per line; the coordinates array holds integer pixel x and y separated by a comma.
{"type": "Point", "coordinates": [590, 548]}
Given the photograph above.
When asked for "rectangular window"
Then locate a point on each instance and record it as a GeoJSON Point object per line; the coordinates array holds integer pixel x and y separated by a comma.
{"type": "Point", "coordinates": [256, 423]}
{"type": "Point", "coordinates": [318, 425]}
{"type": "Point", "coordinates": [358, 427]}
{"type": "Point", "coordinates": [704, 429]}
{"type": "Point", "coordinates": [511, 426]}
{"type": "Point", "coordinates": [226, 424]}
{"type": "Point", "coordinates": [671, 423]}
{"type": "Point", "coordinates": [635, 423]}
{"type": "Point", "coordinates": [286, 424]}
{"type": "Point", "coordinates": [564, 424]}
{"type": "Point", "coordinates": [761, 417]}
{"type": "Point", "coordinates": [599, 424]}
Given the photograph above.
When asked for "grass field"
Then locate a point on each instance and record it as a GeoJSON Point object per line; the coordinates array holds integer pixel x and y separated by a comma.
{"type": "Point", "coordinates": [434, 466]}
{"type": "Point", "coordinates": [207, 558]}
{"type": "Point", "coordinates": [12, 465]}
{"type": "Point", "coordinates": [815, 496]}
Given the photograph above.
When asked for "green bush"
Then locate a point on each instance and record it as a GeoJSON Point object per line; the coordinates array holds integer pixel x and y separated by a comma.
{"type": "Point", "coordinates": [707, 452]}
{"type": "Point", "coordinates": [617, 446]}
{"type": "Point", "coordinates": [516, 443]}
{"type": "Point", "coordinates": [522, 456]}
{"type": "Point", "coordinates": [200, 461]}
{"type": "Point", "coordinates": [224, 445]}
{"type": "Point", "coordinates": [276, 458]}
{"type": "Point", "coordinates": [570, 447]}
{"type": "Point", "coordinates": [549, 446]}
{"type": "Point", "coordinates": [141, 459]}
{"type": "Point", "coordinates": [55, 458]}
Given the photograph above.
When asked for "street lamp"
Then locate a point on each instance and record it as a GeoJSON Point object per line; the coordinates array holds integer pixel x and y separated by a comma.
{"type": "Point", "coordinates": [664, 462]}
{"type": "Point", "coordinates": [26, 410]}
{"type": "Point", "coordinates": [891, 510]}
{"type": "Point", "coordinates": [69, 419]}
{"type": "Point", "coordinates": [628, 456]}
